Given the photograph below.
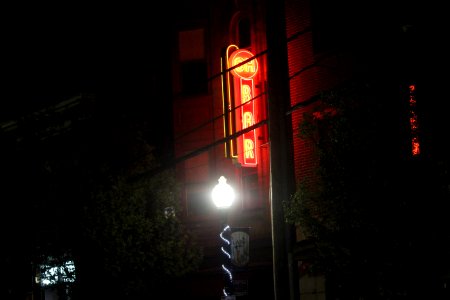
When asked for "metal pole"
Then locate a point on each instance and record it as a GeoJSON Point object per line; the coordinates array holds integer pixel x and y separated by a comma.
{"type": "Point", "coordinates": [282, 181]}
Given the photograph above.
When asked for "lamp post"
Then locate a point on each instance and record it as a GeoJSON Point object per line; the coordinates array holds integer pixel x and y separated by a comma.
{"type": "Point", "coordinates": [223, 197]}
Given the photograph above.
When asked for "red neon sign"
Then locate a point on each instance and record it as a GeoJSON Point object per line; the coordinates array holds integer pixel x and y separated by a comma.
{"type": "Point", "coordinates": [244, 93]}
{"type": "Point", "coordinates": [414, 124]}
{"type": "Point", "coordinates": [248, 119]}
{"type": "Point", "coordinates": [247, 70]}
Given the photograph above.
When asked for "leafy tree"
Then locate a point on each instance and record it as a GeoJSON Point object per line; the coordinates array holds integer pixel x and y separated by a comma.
{"type": "Point", "coordinates": [135, 236]}
{"type": "Point", "coordinates": [134, 243]}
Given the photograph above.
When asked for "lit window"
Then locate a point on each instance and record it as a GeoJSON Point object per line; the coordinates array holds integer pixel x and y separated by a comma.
{"type": "Point", "coordinates": [193, 72]}
{"type": "Point", "coordinates": [51, 275]}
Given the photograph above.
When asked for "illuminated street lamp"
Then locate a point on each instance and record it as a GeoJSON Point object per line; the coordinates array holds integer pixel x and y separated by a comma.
{"type": "Point", "coordinates": [223, 197]}
{"type": "Point", "coordinates": [223, 194]}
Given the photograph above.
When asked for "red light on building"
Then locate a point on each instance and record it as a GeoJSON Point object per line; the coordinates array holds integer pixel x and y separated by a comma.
{"type": "Point", "coordinates": [243, 85]}
{"type": "Point", "coordinates": [413, 122]}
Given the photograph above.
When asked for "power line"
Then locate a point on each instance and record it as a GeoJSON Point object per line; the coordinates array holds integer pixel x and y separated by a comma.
{"type": "Point", "coordinates": [196, 152]}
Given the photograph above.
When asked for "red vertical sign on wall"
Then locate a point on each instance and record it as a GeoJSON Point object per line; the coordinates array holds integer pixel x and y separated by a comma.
{"type": "Point", "coordinates": [414, 124]}
{"type": "Point", "coordinates": [248, 139]}
{"type": "Point", "coordinates": [244, 93]}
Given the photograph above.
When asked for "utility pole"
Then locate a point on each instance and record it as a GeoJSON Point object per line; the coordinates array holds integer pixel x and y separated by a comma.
{"type": "Point", "coordinates": [282, 181]}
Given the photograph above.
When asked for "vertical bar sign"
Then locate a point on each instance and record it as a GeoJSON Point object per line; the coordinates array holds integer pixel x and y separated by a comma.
{"type": "Point", "coordinates": [414, 124]}
{"type": "Point", "coordinates": [245, 68]}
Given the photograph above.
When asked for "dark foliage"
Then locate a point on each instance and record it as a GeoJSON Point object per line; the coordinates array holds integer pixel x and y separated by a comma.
{"type": "Point", "coordinates": [376, 214]}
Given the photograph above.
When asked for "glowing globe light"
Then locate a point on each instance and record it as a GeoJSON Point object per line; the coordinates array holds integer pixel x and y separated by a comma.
{"type": "Point", "coordinates": [223, 194]}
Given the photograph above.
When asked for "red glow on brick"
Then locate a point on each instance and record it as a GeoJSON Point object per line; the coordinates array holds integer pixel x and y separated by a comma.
{"type": "Point", "coordinates": [327, 112]}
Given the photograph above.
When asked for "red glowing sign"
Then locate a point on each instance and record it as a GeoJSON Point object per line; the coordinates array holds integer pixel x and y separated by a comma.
{"type": "Point", "coordinates": [248, 140]}
{"type": "Point", "coordinates": [247, 70]}
{"type": "Point", "coordinates": [243, 94]}
{"type": "Point", "coordinates": [415, 144]}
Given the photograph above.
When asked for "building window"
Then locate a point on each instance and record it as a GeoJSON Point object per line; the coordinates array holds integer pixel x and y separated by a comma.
{"type": "Point", "coordinates": [244, 33]}
{"type": "Point", "coordinates": [194, 72]}
{"type": "Point", "coordinates": [194, 78]}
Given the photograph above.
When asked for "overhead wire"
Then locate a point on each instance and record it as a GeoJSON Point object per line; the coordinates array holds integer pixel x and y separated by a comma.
{"type": "Point", "coordinates": [172, 162]}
